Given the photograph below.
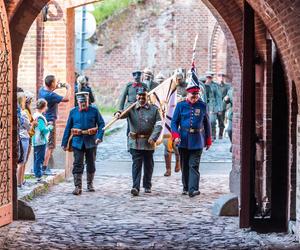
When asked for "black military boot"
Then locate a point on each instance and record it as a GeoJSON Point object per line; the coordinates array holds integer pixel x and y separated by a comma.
{"type": "Point", "coordinates": [221, 132]}
{"type": "Point", "coordinates": [90, 179]}
{"type": "Point", "coordinates": [213, 133]}
{"type": "Point", "coordinates": [78, 184]}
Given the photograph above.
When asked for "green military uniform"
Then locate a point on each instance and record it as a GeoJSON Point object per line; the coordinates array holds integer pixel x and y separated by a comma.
{"type": "Point", "coordinates": [128, 95]}
{"type": "Point", "coordinates": [150, 84]}
{"type": "Point", "coordinates": [223, 88]}
{"type": "Point", "coordinates": [144, 123]}
{"type": "Point", "coordinates": [229, 104]}
{"type": "Point", "coordinates": [214, 103]}
{"type": "Point", "coordinates": [181, 91]}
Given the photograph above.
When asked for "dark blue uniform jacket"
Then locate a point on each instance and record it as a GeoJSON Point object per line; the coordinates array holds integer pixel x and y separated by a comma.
{"type": "Point", "coordinates": [191, 124]}
{"type": "Point", "coordinates": [84, 120]}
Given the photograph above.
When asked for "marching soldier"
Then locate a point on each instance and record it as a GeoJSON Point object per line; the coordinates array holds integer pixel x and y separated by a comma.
{"type": "Point", "coordinates": [202, 91]}
{"type": "Point", "coordinates": [181, 85]}
{"type": "Point", "coordinates": [168, 142]}
{"type": "Point", "coordinates": [82, 86]}
{"type": "Point", "coordinates": [148, 79]}
{"type": "Point", "coordinates": [128, 95]}
{"type": "Point", "coordinates": [214, 101]}
{"type": "Point", "coordinates": [83, 133]}
{"type": "Point", "coordinates": [224, 88]}
{"type": "Point", "coordinates": [145, 127]}
{"type": "Point", "coordinates": [228, 101]}
{"type": "Point", "coordinates": [191, 131]}
{"type": "Point", "coordinates": [159, 78]}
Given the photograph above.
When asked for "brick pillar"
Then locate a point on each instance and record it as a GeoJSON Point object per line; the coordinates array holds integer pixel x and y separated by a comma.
{"type": "Point", "coordinates": [39, 52]}
{"type": "Point", "coordinates": [298, 179]}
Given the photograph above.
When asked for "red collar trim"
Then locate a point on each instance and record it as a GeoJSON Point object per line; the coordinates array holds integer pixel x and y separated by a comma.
{"type": "Point", "coordinates": [137, 84]}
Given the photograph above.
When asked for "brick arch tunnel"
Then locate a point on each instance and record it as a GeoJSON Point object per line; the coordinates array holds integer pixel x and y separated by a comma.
{"type": "Point", "coordinates": [269, 20]}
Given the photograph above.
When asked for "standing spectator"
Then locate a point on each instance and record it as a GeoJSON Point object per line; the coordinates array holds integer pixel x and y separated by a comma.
{"type": "Point", "coordinates": [24, 137]}
{"type": "Point", "coordinates": [19, 123]}
{"type": "Point", "coordinates": [40, 137]}
{"type": "Point", "coordinates": [28, 110]}
{"type": "Point", "coordinates": [82, 86]}
{"type": "Point", "coordinates": [53, 100]}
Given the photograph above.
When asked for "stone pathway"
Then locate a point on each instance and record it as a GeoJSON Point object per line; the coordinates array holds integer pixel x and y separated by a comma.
{"type": "Point", "coordinates": [114, 148]}
{"type": "Point", "coordinates": [111, 219]}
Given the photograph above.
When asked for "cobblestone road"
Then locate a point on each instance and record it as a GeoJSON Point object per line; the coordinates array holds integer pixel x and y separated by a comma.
{"type": "Point", "coordinates": [219, 152]}
{"type": "Point", "coordinates": [111, 219]}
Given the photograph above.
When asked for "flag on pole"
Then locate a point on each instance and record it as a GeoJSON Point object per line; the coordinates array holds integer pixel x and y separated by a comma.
{"type": "Point", "coordinates": [164, 96]}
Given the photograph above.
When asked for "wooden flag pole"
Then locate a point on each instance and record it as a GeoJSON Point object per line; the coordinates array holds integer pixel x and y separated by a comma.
{"type": "Point", "coordinates": [194, 49]}
{"type": "Point", "coordinates": [133, 104]}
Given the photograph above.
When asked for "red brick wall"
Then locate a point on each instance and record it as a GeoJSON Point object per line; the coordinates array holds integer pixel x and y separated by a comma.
{"type": "Point", "coordinates": [161, 36]}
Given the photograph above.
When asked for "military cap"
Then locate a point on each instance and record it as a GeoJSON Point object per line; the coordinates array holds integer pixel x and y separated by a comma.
{"type": "Point", "coordinates": [202, 79]}
{"type": "Point", "coordinates": [148, 71]}
{"type": "Point", "coordinates": [209, 74]}
{"type": "Point", "coordinates": [136, 73]}
{"type": "Point", "coordinates": [160, 76]}
{"type": "Point", "coordinates": [221, 74]}
{"type": "Point", "coordinates": [192, 85]}
{"type": "Point", "coordinates": [81, 79]}
{"type": "Point", "coordinates": [82, 96]}
{"type": "Point", "coordinates": [141, 90]}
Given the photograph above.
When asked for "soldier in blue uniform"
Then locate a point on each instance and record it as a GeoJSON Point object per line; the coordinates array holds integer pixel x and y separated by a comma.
{"type": "Point", "coordinates": [191, 131]}
{"type": "Point", "coordinates": [84, 132]}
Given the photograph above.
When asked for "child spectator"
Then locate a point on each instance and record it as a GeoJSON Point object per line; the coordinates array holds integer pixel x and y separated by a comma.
{"type": "Point", "coordinates": [40, 137]}
{"type": "Point", "coordinates": [24, 137]}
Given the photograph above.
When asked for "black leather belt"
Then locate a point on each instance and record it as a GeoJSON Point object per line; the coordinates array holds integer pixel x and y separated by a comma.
{"type": "Point", "coordinates": [193, 130]}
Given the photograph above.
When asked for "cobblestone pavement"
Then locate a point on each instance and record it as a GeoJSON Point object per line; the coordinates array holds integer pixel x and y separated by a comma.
{"type": "Point", "coordinates": [219, 152]}
{"type": "Point", "coordinates": [111, 219]}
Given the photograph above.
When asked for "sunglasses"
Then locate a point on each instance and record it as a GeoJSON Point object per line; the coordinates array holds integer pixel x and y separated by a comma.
{"type": "Point", "coordinates": [195, 93]}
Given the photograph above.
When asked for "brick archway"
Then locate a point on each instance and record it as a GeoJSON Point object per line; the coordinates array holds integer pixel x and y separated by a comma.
{"type": "Point", "coordinates": [230, 16]}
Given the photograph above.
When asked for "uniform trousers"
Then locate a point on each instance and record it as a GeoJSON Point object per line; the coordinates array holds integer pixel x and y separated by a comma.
{"type": "Point", "coordinates": [140, 158]}
{"type": "Point", "coordinates": [190, 161]}
{"type": "Point", "coordinates": [221, 119]}
{"type": "Point", "coordinates": [90, 157]}
{"type": "Point", "coordinates": [213, 123]}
